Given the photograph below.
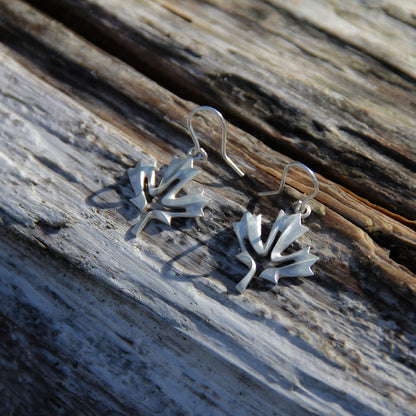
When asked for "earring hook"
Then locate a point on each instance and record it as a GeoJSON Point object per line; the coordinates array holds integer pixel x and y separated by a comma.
{"type": "Point", "coordinates": [198, 151]}
{"type": "Point", "coordinates": [301, 205]}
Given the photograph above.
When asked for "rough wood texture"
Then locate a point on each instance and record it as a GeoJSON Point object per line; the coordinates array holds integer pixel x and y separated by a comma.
{"type": "Point", "coordinates": [314, 91]}
{"type": "Point", "coordinates": [97, 322]}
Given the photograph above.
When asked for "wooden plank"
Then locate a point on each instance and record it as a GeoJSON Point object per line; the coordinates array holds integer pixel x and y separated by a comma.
{"type": "Point", "coordinates": [74, 118]}
{"type": "Point", "coordinates": [68, 65]}
{"type": "Point", "coordinates": [299, 85]}
{"type": "Point", "coordinates": [132, 362]}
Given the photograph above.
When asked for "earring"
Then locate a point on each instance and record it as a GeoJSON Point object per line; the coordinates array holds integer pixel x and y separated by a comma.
{"type": "Point", "coordinates": [176, 176]}
{"type": "Point", "coordinates": [289, 228]}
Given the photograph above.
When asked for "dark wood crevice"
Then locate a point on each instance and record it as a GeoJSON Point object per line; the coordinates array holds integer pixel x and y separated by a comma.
{"type": "Point", "coordinates": [128, 45]}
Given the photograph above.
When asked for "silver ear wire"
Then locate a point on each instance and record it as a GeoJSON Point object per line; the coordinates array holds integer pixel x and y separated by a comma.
{"type": "Point", "coordinates": [197, 151]}
{"type": "Point", "coordinates": [301, 205]}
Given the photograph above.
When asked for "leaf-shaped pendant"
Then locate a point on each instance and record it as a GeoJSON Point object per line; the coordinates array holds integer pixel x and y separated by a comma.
{"type": "Point", "coordinates": [177, 175]}
{"type": "Point", "coordinates": [289, 228]}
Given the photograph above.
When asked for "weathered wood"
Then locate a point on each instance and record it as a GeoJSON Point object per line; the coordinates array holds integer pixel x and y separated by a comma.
{"type": "Point", "coordinates": [74, 118]}
{"type": "Point", "coordinates": [312, 90]}
{"type": "Point", "coordinates": [71, 66]}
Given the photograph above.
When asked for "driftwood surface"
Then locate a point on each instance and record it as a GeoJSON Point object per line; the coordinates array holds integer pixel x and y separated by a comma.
{"type": "Point", "coordinates": [95, 321]}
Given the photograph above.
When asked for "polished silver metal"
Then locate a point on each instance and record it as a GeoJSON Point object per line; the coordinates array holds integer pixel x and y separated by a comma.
{"type": "Point", "coordinates": [286, 229]}
{"type": "Point", "coordinates": [197, 150]}
{"type": "Point", "coordinates": [177, 175]}
{"type": "Point", "coordinates": [180, 172]}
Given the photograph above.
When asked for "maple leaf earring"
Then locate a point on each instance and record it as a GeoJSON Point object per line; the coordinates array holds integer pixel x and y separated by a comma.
{"type": "Point", "coordinates": [177, 175]}
{"type": "Point", "coordinates": [285, 230]}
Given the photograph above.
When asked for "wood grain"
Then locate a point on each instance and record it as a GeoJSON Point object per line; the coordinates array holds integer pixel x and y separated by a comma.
{"type": "Point", "coordinates": [301, 87]}
{"type": "Point", "coordinates": [154, 324]}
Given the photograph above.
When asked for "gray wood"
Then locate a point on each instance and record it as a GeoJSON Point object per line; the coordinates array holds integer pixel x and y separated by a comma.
{"type": "Point", "coordinates": [97, 322]}
{"type": "Point", "coordinates": [318, 81]}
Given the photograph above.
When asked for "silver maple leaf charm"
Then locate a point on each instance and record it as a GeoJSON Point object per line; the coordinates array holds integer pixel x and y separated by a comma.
{"type": "Point", "coordinates": [177, 175]}
{"type": "Point", "coordinates": [290, 228]}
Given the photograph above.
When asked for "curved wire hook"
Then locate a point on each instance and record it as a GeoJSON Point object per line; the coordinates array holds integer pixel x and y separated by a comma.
{"type": "Point", "coordinates": [198, 152]}
{"type": "Point", "coordinates": [301, 205]}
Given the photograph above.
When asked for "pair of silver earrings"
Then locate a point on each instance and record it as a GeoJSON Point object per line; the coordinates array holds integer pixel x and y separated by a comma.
{"type": "Point", "coordinates": [285, 230]}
